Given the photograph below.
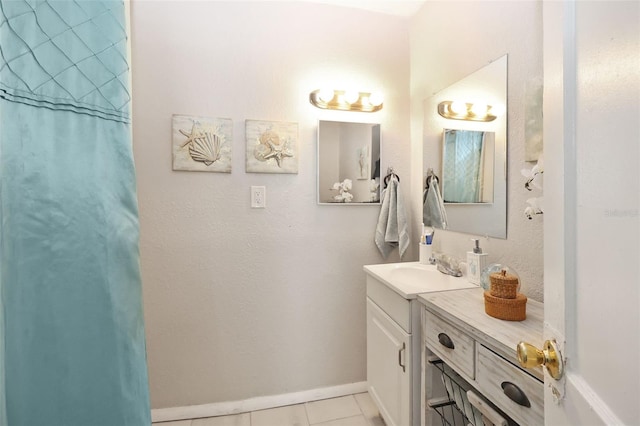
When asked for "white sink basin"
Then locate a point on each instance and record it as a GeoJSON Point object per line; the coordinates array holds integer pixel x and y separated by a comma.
{"type": "Point", "coordinates": [412, 278]}
{"type": "Point", "coordinates": [413, 273]}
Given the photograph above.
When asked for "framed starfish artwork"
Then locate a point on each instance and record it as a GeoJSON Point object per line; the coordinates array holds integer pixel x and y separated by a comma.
{"type": "Point", "coordinates": [202, 144]}
{"type": "Point", "coordinates": [272, 146]}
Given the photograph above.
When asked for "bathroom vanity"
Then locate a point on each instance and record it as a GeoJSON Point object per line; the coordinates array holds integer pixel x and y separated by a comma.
{"type": "Point", "coordinates": [417, 316]}
{"type": "Point", "coordinates": [394, 334]}
{"type": "Point", "coordinates": [482, 351]}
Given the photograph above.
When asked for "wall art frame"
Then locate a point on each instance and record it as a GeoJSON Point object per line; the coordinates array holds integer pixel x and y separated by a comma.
{"type": "Point", "coordinates": [202, 144]}
{"type": "Point", "coordinates": [272, 146]}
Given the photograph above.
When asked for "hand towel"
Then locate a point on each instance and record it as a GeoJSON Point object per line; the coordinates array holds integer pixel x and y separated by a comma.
{"type": "Point", "coordinates": [433, 211]}
{"type": "Point", "coordinates": [391, 231]}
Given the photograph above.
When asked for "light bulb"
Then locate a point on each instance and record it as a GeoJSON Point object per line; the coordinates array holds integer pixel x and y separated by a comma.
{"type": "Point", "coordinates": [376, 99]}
{"type": "Point", "coordinates": [479, 109]}
{"type": "Point", "coordinates": [351, 96]}
{"type": "Point", "coordinates": [458, 107]}
{"type": "Point", "coordinates": [325, 95]}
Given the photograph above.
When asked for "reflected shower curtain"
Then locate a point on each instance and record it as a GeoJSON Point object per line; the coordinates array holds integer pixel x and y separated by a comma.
{"type": "Point", "coordinates": [463, 165]}
{"type": "Point", "coordinates": [73, 347]}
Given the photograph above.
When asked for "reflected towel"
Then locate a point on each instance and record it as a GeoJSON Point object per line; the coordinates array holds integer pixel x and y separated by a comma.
{"type": "Point", "coordinates": [433, 212]}
{"type": "Point", "coordinates": [391, 231]}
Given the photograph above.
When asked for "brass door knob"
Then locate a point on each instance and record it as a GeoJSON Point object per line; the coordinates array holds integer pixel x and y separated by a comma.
{"type": "Point", "coordinates": [530, 357]}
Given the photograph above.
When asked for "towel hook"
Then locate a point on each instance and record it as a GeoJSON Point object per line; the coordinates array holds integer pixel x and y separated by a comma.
{"type": "Point", "coordinates": [390, 174]}
{"type": "Point", "coordinates": [430, 177]}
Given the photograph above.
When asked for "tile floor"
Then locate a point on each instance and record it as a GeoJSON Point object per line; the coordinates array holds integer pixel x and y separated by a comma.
{"type": "Point", "coordinates": [351, 410]}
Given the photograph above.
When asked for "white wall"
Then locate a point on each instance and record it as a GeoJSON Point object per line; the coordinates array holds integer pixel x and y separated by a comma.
{"type": "Point", "coordinates": [242, 302]}
{"type": "Point", "coordinates": [450, 40]}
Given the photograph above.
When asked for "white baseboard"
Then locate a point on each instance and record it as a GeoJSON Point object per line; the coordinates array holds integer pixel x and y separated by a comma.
{"type": "Point", "coordinates": [252, 404]}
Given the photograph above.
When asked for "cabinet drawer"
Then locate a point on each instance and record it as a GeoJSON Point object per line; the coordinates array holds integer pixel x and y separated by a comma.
{"type": "Point", "coordinates": [452, 345]}
{"type": "Point", "coordinates": [497, 377]}
{"type": "Point", "coordinates": [394, 305]}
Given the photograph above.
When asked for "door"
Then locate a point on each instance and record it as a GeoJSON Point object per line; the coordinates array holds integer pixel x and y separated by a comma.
{"type": "Point", "coordinates": [591, 216]}
{"type": "Point", "coordinates": [388, 366]}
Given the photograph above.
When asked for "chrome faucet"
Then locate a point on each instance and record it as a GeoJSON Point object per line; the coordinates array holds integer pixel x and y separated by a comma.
{"type": "Point", "coordinates": [448, 265]}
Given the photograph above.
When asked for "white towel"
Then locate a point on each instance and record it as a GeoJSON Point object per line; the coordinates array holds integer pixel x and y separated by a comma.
{"type": "Point", "coordinates": [392, 231]}
{"type": "Point", "coordinates": [433, 211]}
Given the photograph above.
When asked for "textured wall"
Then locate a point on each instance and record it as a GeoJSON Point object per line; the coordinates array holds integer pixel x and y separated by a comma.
{"type": "Point", "coordinates": [450, 40]}
{"type": "Point", "coordinates": [242, 302]}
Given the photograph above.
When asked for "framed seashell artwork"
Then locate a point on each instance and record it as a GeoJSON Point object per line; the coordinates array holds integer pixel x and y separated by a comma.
{"type": "Point", "coordinates": [202, 144]}
{"type": "Point", "coordinates": [272, 146]}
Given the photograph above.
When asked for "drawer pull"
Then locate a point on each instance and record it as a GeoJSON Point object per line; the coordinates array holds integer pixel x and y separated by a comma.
{"type": "Point", "coordinates": [400, 360]}
{"type": "Point", "coordinates": [515, 394]}
{"type": "Point", "coordinates": [445, 341]}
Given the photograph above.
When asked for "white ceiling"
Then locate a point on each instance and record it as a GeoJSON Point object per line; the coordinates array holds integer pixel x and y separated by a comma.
{"type": "Point", "coordinates": [391, 7]}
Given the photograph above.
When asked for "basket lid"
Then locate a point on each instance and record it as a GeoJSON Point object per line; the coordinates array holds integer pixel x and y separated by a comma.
{"type": "Point", "coordinates": [504, 277]}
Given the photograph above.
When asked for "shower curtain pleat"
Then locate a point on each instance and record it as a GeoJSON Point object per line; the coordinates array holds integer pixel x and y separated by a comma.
{"type": "Point", "coordinates": [72, 345]}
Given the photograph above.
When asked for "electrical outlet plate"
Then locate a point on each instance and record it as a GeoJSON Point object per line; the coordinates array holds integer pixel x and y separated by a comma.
{"type": "Point", "coordinates": [258, 197]}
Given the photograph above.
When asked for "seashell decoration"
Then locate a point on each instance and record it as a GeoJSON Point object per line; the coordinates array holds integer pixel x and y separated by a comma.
{"type": "Point", "coordinates": [204, 145]}
{"type": "Point", "coordinates": [201, 144]}
{"type": "Point", "coordinates": [269, 137]}
{"type": "Point", "coordinates": [270, 146]}
{"type": "Point", "coordinates": [205, 149]}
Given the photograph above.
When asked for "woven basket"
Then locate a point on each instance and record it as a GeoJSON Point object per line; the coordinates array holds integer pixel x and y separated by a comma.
{"type": "Point", "coordinates": [506, 309]}
{"type": "Point", "coordinates": [503, 285]}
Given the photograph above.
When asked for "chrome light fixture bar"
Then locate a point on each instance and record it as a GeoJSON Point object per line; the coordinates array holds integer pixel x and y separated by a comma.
{"type": "Point", "coordinates": [344, 100]}
{"type": "Point", "coordinates": [467, 111]}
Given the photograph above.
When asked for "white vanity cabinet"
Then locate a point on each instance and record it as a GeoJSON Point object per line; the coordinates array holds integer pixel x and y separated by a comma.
{"type": "Point", "coordinates": [393, 353]}
{"type": "Point", "coordinates": [482, 350]}
{"type": "Point", "coordinates": [394, 337]}
{"type": "Point", "coordinates": [389, 365]}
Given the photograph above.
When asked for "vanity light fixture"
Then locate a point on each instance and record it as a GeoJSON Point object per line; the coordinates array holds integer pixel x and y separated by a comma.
{"type": "Point", "coordinates": [457, 110]}
{"type": "Point", "coordinates": [345, 100]}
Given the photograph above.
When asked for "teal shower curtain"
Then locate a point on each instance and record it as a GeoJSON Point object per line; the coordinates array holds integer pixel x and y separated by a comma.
{"type": "Point", "coordinates": [72, 345]}
{"type": "Point", "coordinates": [463, 166]}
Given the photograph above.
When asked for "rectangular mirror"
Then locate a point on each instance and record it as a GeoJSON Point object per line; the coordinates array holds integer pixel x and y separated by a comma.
{"type": "Point", "coordinates": [488, 214]}
{"type": "Point", "coordinates": [348, 163]}
{"type": "Point", "coordinates": [467, 166]}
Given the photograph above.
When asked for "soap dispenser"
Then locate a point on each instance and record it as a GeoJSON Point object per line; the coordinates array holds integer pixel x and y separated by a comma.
{"type": "Point", "coordinates": [476, 262]}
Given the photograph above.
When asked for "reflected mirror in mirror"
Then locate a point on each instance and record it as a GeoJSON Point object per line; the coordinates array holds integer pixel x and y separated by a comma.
{"type": "Point", "coordinates": [467, 166]}
{"type": "Point", "coordinates": [348, 163]}
{"type": "Point", "coordinates": [487, 217]}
